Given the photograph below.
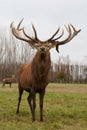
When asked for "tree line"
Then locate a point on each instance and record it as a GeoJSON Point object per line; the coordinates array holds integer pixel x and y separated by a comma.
{"type": "Point", "coordinates": [69, 73]}
{"type": "Point", "coordinates": [14, 53]}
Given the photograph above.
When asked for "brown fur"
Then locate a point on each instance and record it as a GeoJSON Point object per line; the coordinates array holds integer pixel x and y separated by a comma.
{"type": "Point", "coordinates": [8, 80]}
{"type": "Point", "coordinates": [34, 78]}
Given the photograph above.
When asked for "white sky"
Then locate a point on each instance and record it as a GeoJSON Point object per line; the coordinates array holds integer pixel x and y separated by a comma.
{"type": "Point", "coordinates": [47, 15]}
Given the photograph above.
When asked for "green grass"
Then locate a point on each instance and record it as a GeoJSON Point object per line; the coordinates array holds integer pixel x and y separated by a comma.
{"type": "Point", "coordinates": [65, 108]}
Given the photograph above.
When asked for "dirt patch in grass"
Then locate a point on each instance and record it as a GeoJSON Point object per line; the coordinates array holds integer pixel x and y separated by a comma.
{"type": "Point", "coordinates": [73, 88]}
{"type": "Point", "coordinates": [6, 88]}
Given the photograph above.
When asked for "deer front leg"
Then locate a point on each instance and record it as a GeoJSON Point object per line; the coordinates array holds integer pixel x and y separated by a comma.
{"type": "Point", "coordinates": [32, 103]}
{"type": "Point", "coordinates": [3, 84]}
{"type": "Point", "coordinates": [19, 99]}
{"type": "Point", "coordinates": [42, 93]}
{"type": "Point", "coordinates": [10, 85]}
{"type": "Point", "coordinates": [34, 106]}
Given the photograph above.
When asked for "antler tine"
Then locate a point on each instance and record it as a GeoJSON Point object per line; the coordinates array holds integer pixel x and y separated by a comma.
{"type": "Point", "coordinates": [68, 29]}
{"type": "Point", "coordinates": [11, 24]}
{"type": "Point", "coordinates": [18, 27]}
{"type": "Point", "coordinates": [16, 33]}
{"type": "Point", "coordinates": [35, 33]}
{"type": "Point", "coordinates": [76, 31]}
{"type": "Point", "coordinates": [53, 35]}
{"type": "Point", "coordinates": [28, 36]}
{"type": "Point", "coordinates": [72, 32]}
{"type": "Point", "coordinates": [70, 35]}
{"type": "Point", "coordinates": [60, 35]}
{"type": "Point", "coordinates": [36, 37]}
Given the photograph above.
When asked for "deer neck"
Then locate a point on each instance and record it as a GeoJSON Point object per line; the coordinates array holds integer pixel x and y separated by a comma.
{"type": "Point", "coordinates": [41, 63]}
{"type": "Point", "coordinates": [43, 58]}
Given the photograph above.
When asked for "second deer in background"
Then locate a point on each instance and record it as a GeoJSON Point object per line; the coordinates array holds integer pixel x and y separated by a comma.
{"type": "Point", "coordinates": [8, 80]}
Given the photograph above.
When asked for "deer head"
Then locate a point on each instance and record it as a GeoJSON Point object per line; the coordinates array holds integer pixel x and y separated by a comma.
{"type": "Point", "coordinates": [44, 46]}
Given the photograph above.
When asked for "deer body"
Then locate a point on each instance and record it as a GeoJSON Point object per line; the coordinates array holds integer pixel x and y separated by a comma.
{"type": "Point", "coordinates": [35, 76]}
{"type": "Point", "coordinates": [8, 80]}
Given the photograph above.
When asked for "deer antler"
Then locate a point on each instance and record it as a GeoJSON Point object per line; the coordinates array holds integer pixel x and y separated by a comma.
{"type": "Point", "coordinates": [72, 32]}
{"type": "Point", "coordinates": [17, 33]}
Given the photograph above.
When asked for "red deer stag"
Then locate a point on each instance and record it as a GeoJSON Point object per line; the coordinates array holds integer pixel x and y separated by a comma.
{"type": "Point", "coordinates": [8, 80]}
{"type": "Point", "coordinates": [34, 77]}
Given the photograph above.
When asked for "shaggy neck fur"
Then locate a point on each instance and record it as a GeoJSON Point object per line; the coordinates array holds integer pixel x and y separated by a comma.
{"type": "Point", "coordinates": [41, 66]}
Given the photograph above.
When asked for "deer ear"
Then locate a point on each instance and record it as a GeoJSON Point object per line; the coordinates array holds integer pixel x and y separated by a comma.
{"type": "Point", "coordinates": [55, 45]}
{"type": "Point", "coordinates": [36, 45]}
{"type": "Point", "coordinates": [57, 48]}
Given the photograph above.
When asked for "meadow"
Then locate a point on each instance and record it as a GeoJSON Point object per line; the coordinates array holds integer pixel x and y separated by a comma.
{"type": "Point", "coordinates": [65, 108]}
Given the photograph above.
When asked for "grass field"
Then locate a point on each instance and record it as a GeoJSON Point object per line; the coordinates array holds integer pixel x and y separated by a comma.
{"type": "Point", "coordinates": [65, 108]}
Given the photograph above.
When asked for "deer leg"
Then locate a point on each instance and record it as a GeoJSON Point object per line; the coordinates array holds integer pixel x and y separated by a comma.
{"type": "Point", "coordinates": [32, 103]}
{"type": "Point", "coordinates": [10, 85]}
{"type": "Point", "coordinates": [3, 84]}
{"type": "Point", "coordinates": [19, 99]}
{"type": "Point", "coordinates": [41, 104]}
{"type": "Point", "coordinates": [29, 101]}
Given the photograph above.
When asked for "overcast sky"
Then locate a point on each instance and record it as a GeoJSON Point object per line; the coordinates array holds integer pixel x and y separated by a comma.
{"type": "Point", "coordinates": [47, 15]}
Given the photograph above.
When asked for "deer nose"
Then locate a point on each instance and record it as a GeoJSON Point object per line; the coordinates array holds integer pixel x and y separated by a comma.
{"type": "Point", "coordinates": [42, 49]}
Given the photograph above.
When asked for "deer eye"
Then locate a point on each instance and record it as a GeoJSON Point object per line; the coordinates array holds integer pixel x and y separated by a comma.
{"type": "Point", "coordinates": [37, 45]}
{"type": "Point", "coordinates": [49, 45]}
